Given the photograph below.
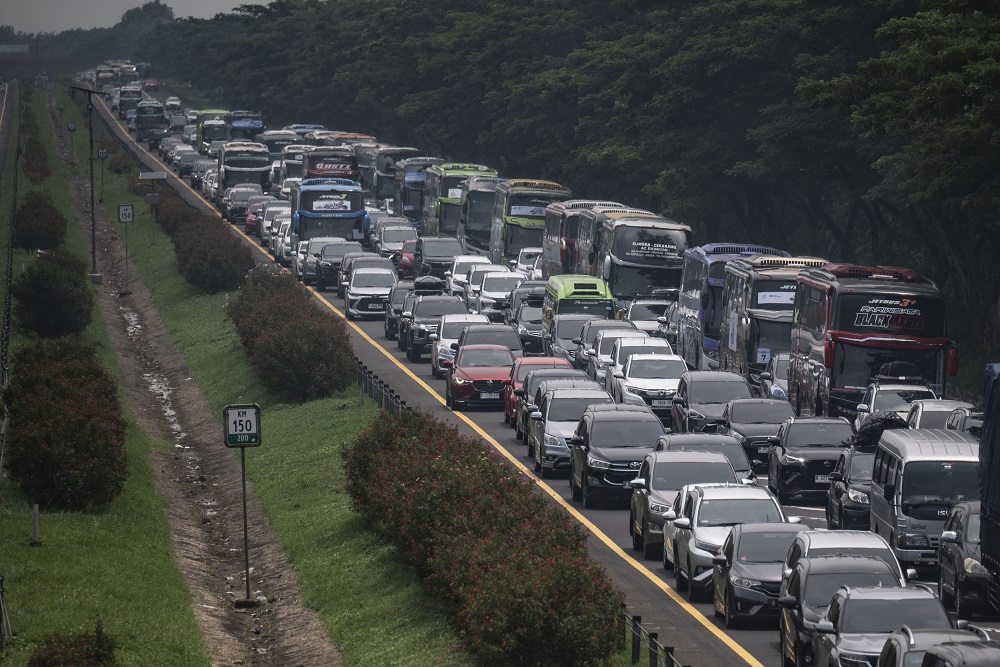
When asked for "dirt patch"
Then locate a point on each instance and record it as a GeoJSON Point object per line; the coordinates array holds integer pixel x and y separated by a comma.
{"type": "Point", "coordinates": [201, 480]}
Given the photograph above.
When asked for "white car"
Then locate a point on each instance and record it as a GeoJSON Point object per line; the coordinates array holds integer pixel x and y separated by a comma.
{"type": "Point", "coordinates": [455, 277]}
{"type": "Point", "coordinates": [279, 236]}
{"type": "Point", "coordinates": [645, 313]}
{"type": "Point", "coordinates": [172, 103]}
{"type": "Point", "coordinates": [474, 282]}
{"type": "Point", "coordinates": [448, 330]}
{"type": "Point", "coordinates": [649, 379]}
{"type": "Point", "coordinates": [367, 292]}
{"type": "Point", "coordinates": [286, 187]}
{"type": "Point", "coordinates": [299, 259]}
{"type": "Point", "coordinates": [494, 293]}
{"type": "Point", "coordinates": [525, 261]}
{"type": "Point", "coordinates": [625, 347]}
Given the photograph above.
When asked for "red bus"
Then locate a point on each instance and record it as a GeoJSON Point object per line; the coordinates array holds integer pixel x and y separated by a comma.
{"type": "Point", "coordinates": [849, 320]}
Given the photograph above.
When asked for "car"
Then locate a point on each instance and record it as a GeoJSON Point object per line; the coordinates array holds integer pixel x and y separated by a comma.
{"type": "Point", "coordinates": [198, 171]}
{"type": "Point", "coordinates": [622, 348]}
{"type": "Point", "coordinates": [518, 373]}
{"type": "Point", "coordinates": [328, 262]}
{"type": "Point", "coordinates": [848, 498]}
{"type": "Point", "coordinates": [746, 574]}
{"type": "Point", "coordinates": [553, 423]}
{"type": "Point", "coordinates": [458, 272]}
{"type": "Point", "coordinates": [433, 255]}
{"type": "Point", "coordinates": [310, 258]}
{"type": "Point", "coordinates": [185, 162]}
{"type": "Point", "coordinates": [494, 292]}
{"type": "Point", "coordinates": [803, 454]}
{"type": "Point", "coordinates": [963, 654]}
{"type": "Point", "coordinates": [477, 377]}
{"type": "Point", "coordinates": [366, 260]}
{"type": "Point", "coordinates": [563, 329]}
{"type": "Point", "coordinates": [286, 187]}
{"type": "Point", "coordinates": [932, 412]}
{"type": "Point", "coordinates": [525, 395]}
{"type": "Point", "coordinates": [726, 445]}
{"type": "Point", "coordinates": [404, 259]}
{"type": "Point", "coordinates": [237, 199]}
{"type": "Point", "coordinates": [525, 261]}
{"type": "Point", "coordinates": [588, 334]}
{"type": "Point", "coordinates": [702, 397]}
{"type": "Point", "coordinates": [854, 628]}
{"type": "Point", "coordinates": [752, 421]}
{"type": "Point", "coordinates": [963, 582]}
{"type": "Point", "coordinates": [499, 334]}
{"type": "Point", "coordinates": [528, 324]}
{"type": "Point", "coordinates": [774, 377]}
{"type": "Point", "coordinates": [367, 292]}
{"type": "Point", "coordinates": [607, 448]}
{"type": "Point", "coordinates": [599, 354]}
{"type": "Point", "coordinates": [965, 420]}
{"type": "Point", "coordinates": [279, 238]}
{"type": "Point", "coordinates": [172, 102]}
{"type": "Point", "coordinates": [649, 379]}
{"type": "Point", "coordinates": [668, 324]}
{"type": "Point", "coordinates": [707, 514]}
{"type": "Point", "coordinates": [345, 266]}
{"type": "Point", "coordinates": [299, 259]}
{"type": "Point", "coordinates": [907, 647]}
{"type": "Point", "coordinates": [537, 271]}
{"type": "Point", "coordinates": [644, 313]}
{"type": "Point", "coordinates": [422, 321]}
{"type": "Point", "coordinates": [662, 476]}
{"type": "Point", "coordinates": [807, 591]}
{"type": "Point", "coordinates": [811, 543]}
{"type": "Point", "coordinates": [394, 307]}
{"type": "Point", "coordinates": [268, 212]}
{"type": "Point", "coordinates": [474, 281]}
{"type": "Point", "coordinates": [893, 394]}
{"type": "Point", "coordinates": [528, 290]}
{"type": "Point", "coordinates": [448, 329]}
{"type": "Point", "coordinates": [390, 239]}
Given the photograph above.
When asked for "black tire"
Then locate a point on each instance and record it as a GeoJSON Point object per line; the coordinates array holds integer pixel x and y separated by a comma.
{"type": "Point", "coordinates": [800, 655]}
{"type": "Point", "coordinates": [537, 465]}
{"type": "Point", "coordinates": [531, 447]}
{"type": "Point", "coordinates": [637, 542]}
{"type": "Point", "coordinates": [546, 473]}
{"type": "Point", "coordinates": [732, 620]}
{"type": "Point", "coordinates": [589, 501]}
{"type": "Point", "coordinates": [434, 373]}
{"type": "Point", "coordinates": [518, 432]}
{"type": "Point", "coordinates": [348, 313]}
{"type": "Point", "coordinates": [649, 551]}
{"type": "Point", "coordinates": [574, 490]}
{"type": "Point", "coordinates": [447, 397]}
{"type": "Point", "coordinates": [680, 581]}
{"type": "Point", "coordinates": [694, 595]}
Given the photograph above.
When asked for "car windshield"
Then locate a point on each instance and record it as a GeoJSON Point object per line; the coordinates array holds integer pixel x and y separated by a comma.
{"type": "Point", "coordinates": [507, 337]}
{"type": "Point", "coordinates": [338, 250]}
{"type": "Point", "coordinates": [760, 413]}
{"type": "Point", "coordinates": [569, 328]}
{"type": "Point", "coordinates": [626, 433]}
{"type": "Point", "coordinates": [940, 482]}
{"type": "Point", "coordinates": [524, 369]}
{"type": "Point", "coordinates": [764, 547]}
{"type": "Point", "coordinates": [898, 400]}
{"type": "Point", "coordinates": [804, 434]}
{"type": "Point", "coordinates": [657, 369]}
{"type": "Point", "coordinates": [453, 329]}
{"type": "Point", "coordinates": [818, 588]}
{"type": "Point", "coordinates": [528, 256]}
{"type": "Point", "coordinates": [731, 511]}
{"type": "Point", "coordinates": [485, 358]}
{"type": "Point", "coordinates": [884, 616]}
{"type": "Point", "coordinates": [373, 280]}
{"type": "Point", "coordinates": [532, 314]}
{"type": "Point", "coordinates": [882, 553]}
{"type": "Point", "coordinates": [409, 246]}
{"type": "Point", "coordinates": [781, 367]}
{"type": "Point", "coordinates": [438, 308]}
{"type": "Point", "coordinates": [933, 419]}
{"type": "Point", "coordinates": [672, 475]}
{"type": "Point", "coordinates": [608, 342]}
{"type": "Point", "coordinates": [442, 248]}
{"type": "Point", "coordinates": [398, 235]}
{"type": "Point", "coordinates": [713, 391]}
{"type": "Point", "coordinates": [733, 451]}
{"type": "Point", "coordinates": [462, 268]}
{"type": "Point", "coordinates": [399, 296]}
{"type": "Point", "coordinates": [571, 409]}
{"type": "Point", "coordinates": [502, 283]}
{"type": "Point", "coordinates": [646, 311]}
{"type": "Point", "coordinates": [627, 350]}
{"type": "Point", "coordinates": [862, 466]}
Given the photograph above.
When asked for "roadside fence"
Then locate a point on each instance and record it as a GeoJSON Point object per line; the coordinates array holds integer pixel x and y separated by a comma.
{"type": "Point", "coordinates": [369, 385]}
{"type": "Point", "coordinates": [646, 644]}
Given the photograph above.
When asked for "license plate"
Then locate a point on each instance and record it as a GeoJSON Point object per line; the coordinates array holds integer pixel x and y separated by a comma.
{"type": "Point", "coordinates": [486, 395]}
{"type": "Point", "coordinates": [822, 479]}
{"type": "Point", "coordinates": [660, 403]}
{"type": "Point", "coordinates": [763, 449]}
{"type": "Point", "coordinates": [376, 306]}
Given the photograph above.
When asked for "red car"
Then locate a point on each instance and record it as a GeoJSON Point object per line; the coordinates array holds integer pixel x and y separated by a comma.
{"type": "Point", "coordinates": [516, 380]}
{"type": "Point", "coordinates": [478, 376]}
{"type": "Point", "coordinates": [404, 259]}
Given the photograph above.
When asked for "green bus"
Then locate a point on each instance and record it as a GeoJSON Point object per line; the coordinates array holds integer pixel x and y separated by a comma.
{"type": "Point", "coordinates": [576, 293]}
{"type": "Point", "coordinates": [519, 216]}
{"type": "Point", "coordinates": [443, 195]}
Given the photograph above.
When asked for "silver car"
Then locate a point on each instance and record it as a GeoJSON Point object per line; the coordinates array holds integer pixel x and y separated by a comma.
{"type": "Point", "coordinates": [447, 333]}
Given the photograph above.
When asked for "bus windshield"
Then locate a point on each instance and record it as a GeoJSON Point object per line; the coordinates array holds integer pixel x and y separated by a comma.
{"type": "Point", "coordinates": [922, 316]}
{"type": "Point", "coordinates": [855, 366]}
{"type": "Point", "coordinates": [774, 295]}
{"type": "Point", "coordinates": [643, 279]}
{"type": "Point", "coordinates": [649, 247]}
{"type": "Point", "coordinates": [479, 210]}
{"type": "Point", "coordinates": [214, 133]}
{"type": "Point", "coordinates": [329, 202]}
{"type": "Point", "coordinates": [519, 237]}
{"type": "Point", "coordinates": [767, 339]}
{"type": "Point", "coordinates": [940, 482]}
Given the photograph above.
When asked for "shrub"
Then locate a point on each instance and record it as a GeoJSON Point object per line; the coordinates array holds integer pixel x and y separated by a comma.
{"type": "Point", "coordinates": [38, 224]}
{"type": "Point", "coordinates": [119, 163]}
{"type": "Point", "coordinates": [67, 434]}
{"type": "Point", "coordinates": [52, 297]}
{"type": "Point", "coordinates": [80, 649]}
{"type": "Point", "coordinates": [209, 257]}
{"type": "Point", "coordinates": [35, 159]}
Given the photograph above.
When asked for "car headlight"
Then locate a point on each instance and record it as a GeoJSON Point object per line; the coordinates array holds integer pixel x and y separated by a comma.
{"type": "Point", "coordinates": [794, 459]}
{"type": "Point", "coordinates": [743, 582]}
{"type": "Point", "coordinates": [858, 496]}
{"type": "Point", "coordinates": [554, 441]}
{"type": "Point", "coordinates": [712, 354]}
{"type": "Point", "coordinates": [658, 507]}
{"type": "Point", "coordinates": [778, 392]}
{"type": "Point", "coordinates": [598, 464]}
{"type": "Point", "coordinates": [559, 350]}
{"type": "Point", "coordinates": [444, 351]}
{"type": "Point", "coordinates": [629, 389]}
{"type": "Point", "coordinates": [706, 546]}
{"type": "Point", "coordinates": [522, 330]}
{"type": "Point", "coordinates": [848, 659]}
{"type": "Point", "coordinates": [905, 540]}
{"type": "Point", "coordinates": [973, 566]}
{"type": "Point", "coordinates": [461, 381]}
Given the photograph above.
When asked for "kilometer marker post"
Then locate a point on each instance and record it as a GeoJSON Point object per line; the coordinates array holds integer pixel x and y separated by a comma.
{"type": "Point", "coordinates": [242, 429]}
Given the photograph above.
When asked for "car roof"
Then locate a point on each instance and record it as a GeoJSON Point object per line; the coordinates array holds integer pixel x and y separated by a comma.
{"type": "Point", "coordinates": [849, 539]}
{"type": "Point", "coordinates": [559, 362]}
{"type": "Point", "coordinates": [368, 270]}
{"type": "Point", "coordinates": [485, 346]}
{"type": "Point", "coordinates": [732, 490]}
{"type": "Point", "coordinates": [621, 412]}
{"type": "Point", "coordinates": [938, 404]}
{"type": "Point", "coordinates": [475, 328]}
{"type": "Point", "coordinates": [757, 401]}
{"type": "Point", "coordinates": [712, 376]}
{"type": "Point", "coordinates": [750, 528]}
{"type": "Point", "coordinates": [971, 654]}
{"type": "Point", "coordinates": [680, 440]}
{"type": "Point", "coordinates": [842, 564]}
{"type": "Point", "coordinates": [465, 317]}
{"type": "Point", "coordinates": [817, 420]}
{"type": "Point", "coordinates": [888, 593]}
{"type": "Point", "coordinates": [688, 456]}
{"type": "Point", "coordinates": [572, 392]}
{"type": "Point", "coordinates": [645, 356]}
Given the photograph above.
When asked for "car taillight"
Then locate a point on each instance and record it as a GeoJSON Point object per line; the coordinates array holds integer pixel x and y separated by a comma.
{"type": "Point", "coordinates": [953, 361]}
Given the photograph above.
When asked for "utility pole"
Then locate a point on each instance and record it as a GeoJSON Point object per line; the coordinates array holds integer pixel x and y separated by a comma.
{"type": "Point", "coordinates": [95, 277]}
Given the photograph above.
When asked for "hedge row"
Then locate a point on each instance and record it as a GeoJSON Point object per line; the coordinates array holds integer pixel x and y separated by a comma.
{"type": "Point", "coordinates": [52, 297]}
{"type": "Point", "coordinates": [513, 570]}
{"type": "Point", "coordinates": [67, 433]}
{"type": "Point", "coordinates": [299, 352]}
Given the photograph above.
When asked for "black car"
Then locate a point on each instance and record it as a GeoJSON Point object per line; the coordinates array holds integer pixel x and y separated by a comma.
{"type": "Point", "coordinates": [803, 455]}
{"type": "Point", "coordinates": [422, 321]}
{"type": "Point", "coordinates": [434, 254]}
{"type": "Point", "coordinates": [848, 500]}
{"type": "Point", "coordinates": [710, 442]}
{"type": "Point", "coordinates": [752, 421]}
{"type": "Point", "coordinates": [702, 396]}
{"type": "Point", "coordinates": [528, 324]}
{"type": "Point", "coordinates": [329, 259]}
{"type": "Point", "coordinates": [529, 290]}
{"type": "Point", "coordinates": [588, 334]}
{"type": "Point", "coordinates": [526, 394]}
{"type": "Point", "coordinates": [490, 334]}
{"type": "Point", "coordinates": [558, 341]}
{"type": "Point", "coordinates": [395, 306]}
{"type": "Point", "coordinates": [607, 449]}
{"type": "Point", "coordinates": [963, 582]}
{"type": "Point", "coordinates": [746, 576]}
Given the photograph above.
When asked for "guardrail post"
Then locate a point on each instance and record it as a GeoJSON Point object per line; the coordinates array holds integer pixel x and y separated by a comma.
{"type": "Point", "coordinates": [636, 637]}
{"type": "Point", "coordinates": [668, 656]}
{"type": "Point", "coordinates": [361, 384]}
{"type": "Point", "coordinates": [654, 650]}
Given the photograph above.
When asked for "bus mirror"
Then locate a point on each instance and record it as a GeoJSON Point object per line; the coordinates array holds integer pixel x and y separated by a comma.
{"type": "Point", "coordinates": [548, 313]}
{"type": "Point", "coordinates": [606, 270]}
{"type": "Point", "coordinates": [953, 361]}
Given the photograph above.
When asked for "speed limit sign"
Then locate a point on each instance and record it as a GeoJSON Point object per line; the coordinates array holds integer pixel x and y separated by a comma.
{"type": "Point", "coordinates": [125, 213]}
{"type": "Point", "coordinates": [102, 153]}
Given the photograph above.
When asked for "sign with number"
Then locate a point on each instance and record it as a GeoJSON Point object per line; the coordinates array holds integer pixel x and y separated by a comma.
{"type": "Point", "coordinates": [102, 153]}
{"type": "Point", "coordinates": [71, 127]}
{"type": "Point", "coordinates": [242, 425]}
{"type": "Point", "coordinates": [125, 213]}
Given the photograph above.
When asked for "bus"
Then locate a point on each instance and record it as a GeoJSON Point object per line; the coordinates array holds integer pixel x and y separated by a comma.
{"type": "Point", "coordinates": [291, 161]}
{"type": "Point", "coordinates": [213, 125]}
{"type": "Point", "coordinates": [276, 140]}
{"type": "Point", "coordinates": [409, 188]}
{"type": "Point", "coordinates": [128, 99]}
{"type": "Point", "coordinates": [328, 207]}
{"type": "Point", "coordinates": [330, 162]}
{"type": "Point", "coordinates": [383, 177]}
{"type": "Point", "coordinates": [699, 306]}
{"type": "Point", "coordinates": [639, 255]}
{"type": "Point", "coordinates": [479, 193]}
{"type": "Point", "coordinates": [443, 195]}
{"type": "Point", "coordinates": [242, 162]}
{"type": "Point", "coordinates": [246, 125]}
{"type": "Point", "coordinates": [149, 117]}
{"type": "Point", "coordinates": [589, 229]}
{"type": "Point", "coordinates": [757, 298]}
{"type": "Point", "coordinates": [519, 216]}
{"type": "Point", "coordinates": [572, 293]}
{"type": "Point", "coordinates": [849, 320]}
{"type": "Point", "coordinates": [562, 225]}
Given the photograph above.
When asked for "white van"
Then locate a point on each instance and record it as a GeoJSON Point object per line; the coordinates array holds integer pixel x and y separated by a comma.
{"type": "Point", "coordinates": [918, 475]}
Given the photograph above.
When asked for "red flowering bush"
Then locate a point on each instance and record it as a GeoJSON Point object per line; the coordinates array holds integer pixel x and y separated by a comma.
{"type": "Point", "coordinates": [513, 569]}
{"type": "Point", "coordinates": [79, 649]}
{"type": "Point", "coordinates": [52, 297]}
{"type": "Point", "coordinates": [38, 224]}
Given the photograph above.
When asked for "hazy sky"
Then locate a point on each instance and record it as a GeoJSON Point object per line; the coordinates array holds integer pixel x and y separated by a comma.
{"type": "Point", "coordinates": [35, 16]}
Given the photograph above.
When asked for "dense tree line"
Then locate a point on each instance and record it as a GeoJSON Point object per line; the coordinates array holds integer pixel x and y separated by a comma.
{"type": "Point", "coordinates": [861, 131]}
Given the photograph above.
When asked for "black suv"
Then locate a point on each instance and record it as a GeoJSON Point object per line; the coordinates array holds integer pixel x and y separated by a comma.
{"type": "Point", "coordinates": [395, 306]}
{"type": "Point", "coordinates": [804, 453]}
{"type": "Point", "coordinates": [558, 340]}
{"type": "Point", "coordinates": [752, 421]}
{"type": "Point", "coordinates": [423, 319]}
{"type": "Point", "coordinates": [710, 442]}
{"type": "Point", "coordinates": [607, 449]}
{"type": "Point", "coordinates": [848, 500]}
{"type": "Point", "coordinates": [490, 334]}
{"type": "Point", "coordinates": [329, 259]}
{"type": "Point", "coordinates": [963, 582]}
{"type": "Point", "coordinates": [434, 254]}
{"type": "Point", "coordinates": [702, 396]}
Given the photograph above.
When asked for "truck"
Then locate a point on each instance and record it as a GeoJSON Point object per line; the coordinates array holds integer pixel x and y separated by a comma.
{"type": "Point", "coordinates": [519, 216]}
{"type": "Point", "coordinates": [989, 492]}
{"type": "Point", "coordinates": [242, 162]}
{"type": "Point", "coordinates": [332, 207]}
{"type": "Point", "coordinates": [443, 195]}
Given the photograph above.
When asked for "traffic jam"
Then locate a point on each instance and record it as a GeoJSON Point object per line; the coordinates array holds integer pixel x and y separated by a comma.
{"type": "Point", "coordinates": [766, 439]}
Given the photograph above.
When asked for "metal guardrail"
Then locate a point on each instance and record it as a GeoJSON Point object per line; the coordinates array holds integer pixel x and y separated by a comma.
{"type": "Point", "coordinates": [645, 643]}
{"type": "Point", "coordinates": [369, 385]}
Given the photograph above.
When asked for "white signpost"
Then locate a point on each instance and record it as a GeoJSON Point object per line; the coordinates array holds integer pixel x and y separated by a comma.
{"type": "Point", "coordinates": [241, 424]}
{"type": "Point", "coordinates": [126, 216]}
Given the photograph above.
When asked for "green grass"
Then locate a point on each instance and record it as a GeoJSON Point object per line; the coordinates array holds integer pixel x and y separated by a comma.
{"type": "Point", "coordinates": [372, 606]}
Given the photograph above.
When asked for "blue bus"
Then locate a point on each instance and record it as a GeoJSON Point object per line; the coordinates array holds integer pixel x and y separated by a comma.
{"type": "Point", "coordinates": [700, 308]}
{"type": "Point", "coordinates": [328, 207]}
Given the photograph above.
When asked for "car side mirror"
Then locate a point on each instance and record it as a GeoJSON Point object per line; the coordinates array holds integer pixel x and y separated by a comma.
{"type": "Point", "coordinates": [677, 400]}
{"type": "Point", "coordinates": [826, 627]}
{"type": "Point", "coordinates": [530, 407]}
{"type": "Point", "coordinates": [793, 519]}
{"type": "Point", "coordinates": [670, 514]}
{"type": "Point", "coordinates": [576, 341]}
{"type": "Point", "coordinates": [344, 283]}
{"type": "Point", "coordinates": [454, 346]}
{"type": "Point", "coordinates": [788, 602]}
{"type": "Point", "coordinates": [576, 440]}
{"type": "Point", "coordinates": [519, 392]}
{"type": "Point", "coordinates": [950, 536]}
{"type": "Point", "coordinates": [661, 319]}
{"type": "Point", "coordinates": [683, 523]}
{"type": "Point", "coordinates": [863, 407]}
{"type": "Point", "coordinates": [447, 274]}
{"type": "Point", "coordinates": [637, 483]}
{"type": "Point", "coordinates": [889, 492]}
{"type": "Point", "coordinates": [591, 352]}
{"type": "Point", "coordinates": [773, 440]}
{"type": "Point", "coordinates": [619, 375]}
{"type": "Point", "coordinates": [432, 336]}
{"type": "Point", "coordinates": [720, 560]}
{"type": "Point", "coordinates": [836, 476]}
{"type": "Point", "coordinates": [766, 376]}
{"type": "Point", "coordinates": [911, 574]}
{"type": "Point", "coordinates": [711, 427]}
{"type": "Point", "coordinates": [961, 624]}
{"type": "Point", "coordinates": [536, 415]}
{"type": "Point", "coordinates": [406, 313]}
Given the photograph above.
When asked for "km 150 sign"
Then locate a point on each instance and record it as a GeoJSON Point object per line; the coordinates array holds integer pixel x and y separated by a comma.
{"type": "Point", "coordinates": [242, 425]}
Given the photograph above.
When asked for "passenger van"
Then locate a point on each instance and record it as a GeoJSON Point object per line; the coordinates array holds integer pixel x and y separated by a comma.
{"type": "Point", "coordinates": [573, 293]}
{"type": "Point", "coordinates": [918, 476]}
